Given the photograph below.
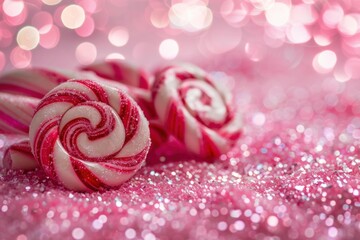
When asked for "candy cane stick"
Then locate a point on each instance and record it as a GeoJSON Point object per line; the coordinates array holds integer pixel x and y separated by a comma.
{"type": "Point", "coordinates": [16, 113]}
{"type": "Point", "coordinates": [33, 82]}
{"type": "Point", "coordinates": [89, 136]}
{"type": "Point", "coordinates": [195, 111]}
{"type": "Point", "coordinates": [120, 71]}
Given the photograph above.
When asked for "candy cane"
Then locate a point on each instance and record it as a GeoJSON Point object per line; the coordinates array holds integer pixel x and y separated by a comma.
{"type": "Point", "coordinates": [89, 136]}
{"type": "Point", "coordinates": [16, 113]}
{"type": "Point", "coordinates": [195, 111]}
{"type": "Point", "coordinates": [33, 82]}
{"type": "Point", "coordinates": [120, 71]}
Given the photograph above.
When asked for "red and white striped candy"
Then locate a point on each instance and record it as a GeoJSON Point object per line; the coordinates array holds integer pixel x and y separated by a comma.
{"type": "Point", "coordinates": [89, 136]}
{"type": "Point", "coordinates": [144, 99]}
{"type": "Point", "coordinates": [17, 153]}
{"type": "Point", "coordinates": [16, 113]}
{"type": "Point", "coordinates": [195, 110]}
{"type": "Point", "coordinates": [33, 82]}
{"type": "Point", "coordinates": [120, 71]}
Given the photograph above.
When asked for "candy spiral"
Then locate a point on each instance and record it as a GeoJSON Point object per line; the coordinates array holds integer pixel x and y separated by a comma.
{"type": "Point", "coordinates": [89, 136]}
{"type": "Point", "coordinates": [134, 87]}
{"type": "Point", "coordinates": [195, 111]}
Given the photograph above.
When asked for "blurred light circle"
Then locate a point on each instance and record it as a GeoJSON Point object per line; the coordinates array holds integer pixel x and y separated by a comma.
{"type": "Point", "coordinates": [51, 38]}
{"type": "Point", "coordinates": [88, 5]}
{"type": "Point", "coordinates": [87, 28]}
{"type": "Point", "coordinates": [159, 18]}
{"type": "Point", "coordinates": [51, 2]}
{"type": "Point", "coordinates": [118, 36]}
{"type": "Point", "coordinates": [115, 56]}
{"type": "Point", "coordinates": [28, 38]}
{"type": "Point", "coordinates": [332, 16]}
{"type": "Point", "coordinates": [348, 25]}
{"type": "Point", "coordinates": [234, 12]}
{"type": "Point", "coordinates": [297, 34]}
{"type": "Point", "coordinates": [324, 61]}
{"type": "Point", "coordinates": [20, 58]}
{"type": "Point", "coordinates": [16, 20]}
{"type": "Point", "coordinates": [278, 15]}
{"type": "Point", "coordinates": [13, 8]}
{"type": "Point", "coordinates": [73, 16]}
{"type": "Point", "coordinates": [168, 49]}
{"type": "Point", "coordinates": [352, 67]}
{"type": "Point", "coordinates": [2, 61]}
{"type": "Point", "coordinates": [322, 40]}
{"type": "Point", "coordinates": [303, 14]}
{"type": "Point", "coordinates": [86, 53]}
{"type": "Point", "coordinates": [42, 21]}
{"type": "Point", "coordinates": [190, 16]}
{"type": "Point", "coordinates": [262, 5]}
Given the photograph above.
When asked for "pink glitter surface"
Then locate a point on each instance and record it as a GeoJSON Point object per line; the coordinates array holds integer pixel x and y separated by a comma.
{"type": "Point", "coordinates": [293, 175]}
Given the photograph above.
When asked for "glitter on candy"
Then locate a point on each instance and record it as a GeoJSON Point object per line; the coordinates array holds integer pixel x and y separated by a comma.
{"type": "Point", "coordinates": [294, 175]}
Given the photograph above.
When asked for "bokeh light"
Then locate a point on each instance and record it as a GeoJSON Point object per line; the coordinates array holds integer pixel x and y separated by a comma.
{"type": "Point", "coordinates": [12, 8]}
{"type": "Point", "coordinates": [118, 36]}
{"type": "Point", "coordinates": [86, 53]}
{"type": "Point", "coordinates": [51, 2]}
{"type": "Point", "coordinates": [28, 38]}
{"type": "Point", "coordinates": [51, 38]}
{"type": "Point", "coordinates": [169, 49]}
{"type": "Point", "coordinates": [117, 56]}
{"type": "Point", "coordinates": [324, 61]}
{"type": "Point", "coordinates": [73, 16]}
{"type": "Point", "coordinates": [20, 58]}
{"type": "Point", "coordinates": [190, 16]}
{"type": "Point", "coordinates": [278, 14]}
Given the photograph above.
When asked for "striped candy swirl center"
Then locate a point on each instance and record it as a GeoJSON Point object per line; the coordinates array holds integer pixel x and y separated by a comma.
{"type": "Point", "coordinates": [86, 128]}
{"type": "Point", "coordinates": [203, 102]}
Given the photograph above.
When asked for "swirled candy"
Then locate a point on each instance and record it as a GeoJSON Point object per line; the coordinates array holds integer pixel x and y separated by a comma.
{"type": "Point", "coordinates": [195, 111]}
{"type": "Point", "coordinates": [89, 136]}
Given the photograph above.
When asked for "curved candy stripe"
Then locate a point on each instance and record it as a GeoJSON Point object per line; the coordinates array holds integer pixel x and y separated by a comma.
{"type": "Point", "coordinates": [33, 82]}
{"type": "Point", "coordinates": [18, 156]}
{"type": "Point", "coordinates": [120, 71]}
{"type": "Point", "coordinates": [143, 98]}
{"type": "Point", "coordinates": [89, 136]}
{"type": "Point", "coordinates": [16, 113]}
{"type": "Point", "coordinates": [195, 111]}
